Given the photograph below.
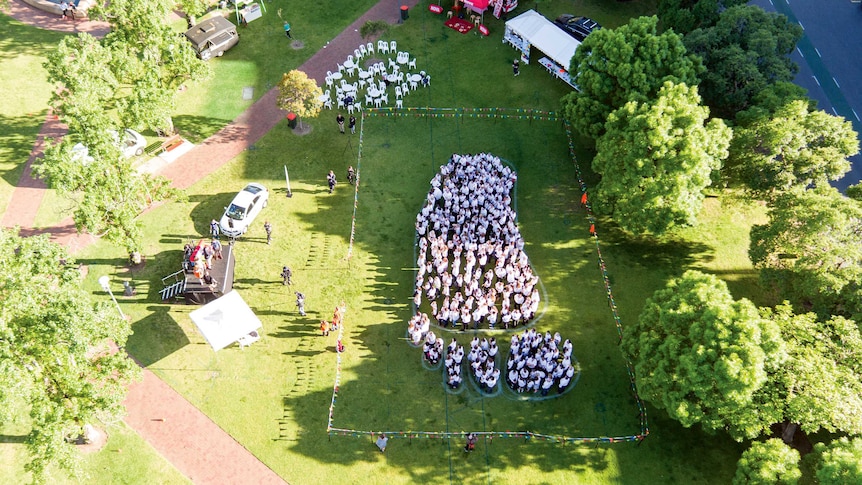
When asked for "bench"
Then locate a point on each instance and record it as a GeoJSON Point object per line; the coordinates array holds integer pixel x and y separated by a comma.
{"type": "Point", "coordinates": [167, 145]}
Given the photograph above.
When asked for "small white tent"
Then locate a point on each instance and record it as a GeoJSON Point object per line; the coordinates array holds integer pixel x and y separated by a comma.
{"type": "Point", "coordinates": [225, 320]}
{"type": "Point", "coordinates": [531, 29]}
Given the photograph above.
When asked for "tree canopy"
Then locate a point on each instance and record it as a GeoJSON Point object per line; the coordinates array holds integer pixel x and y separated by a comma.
{"type": "Point", "coordinates": [656, 158]}
{"type": "Point", "coordinates": [683, 16]}
{"type": "Point", "coordinates": [700, 355]}
{"type": "Point", "coordinates": [630, 63]}
{"type": "Point", "coordinates": [819, 383]}
{"type": "Point", "coordinates": [795, 147]}
{"type": "Point", "coordinates": [769, 462]}
{"type": "Point", "coordinates": [840, 462]}
{"type": "Point", "coordinates": [810, 250]}
{"type": "Point", "coordinates": [55, 357]}
{"type": "Point", "coordinates": [744, 52]}
{"type": "Point", "coordinates": [298, 93]}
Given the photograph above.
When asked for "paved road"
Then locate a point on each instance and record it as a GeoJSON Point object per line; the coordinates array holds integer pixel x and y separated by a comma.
{"type": "Point", "coordinates": [830, 59]}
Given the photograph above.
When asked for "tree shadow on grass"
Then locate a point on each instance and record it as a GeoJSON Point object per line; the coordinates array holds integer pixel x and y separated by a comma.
{"type": "Point", "coordinates": [155, 336]}
{"type": "Point", "coordinates": [198, 128]}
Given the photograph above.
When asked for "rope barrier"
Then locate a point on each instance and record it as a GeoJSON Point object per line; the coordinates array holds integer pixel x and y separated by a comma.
{"type": "Point", "coordinates": [501, 113]}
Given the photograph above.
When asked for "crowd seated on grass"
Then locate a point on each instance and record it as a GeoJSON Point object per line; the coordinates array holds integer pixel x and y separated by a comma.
{"type": "Point", "coordinates": [472, 267]}
{"type": "Point", "coordinates": [537, 365]}
{"type": "Point", "coordinates": [454, 357]}
{"type": "Point", "coordinates": [482, 358]}
{"type": "Point", "coordinates": [433, 348]}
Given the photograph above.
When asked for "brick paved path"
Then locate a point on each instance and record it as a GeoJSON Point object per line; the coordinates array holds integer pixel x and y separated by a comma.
{"type": "Point", "coordinates": [174, 427]}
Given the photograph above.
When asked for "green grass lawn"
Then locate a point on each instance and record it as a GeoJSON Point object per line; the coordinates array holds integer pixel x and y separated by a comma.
{"type": "Point", "coordinates": [25, 92]}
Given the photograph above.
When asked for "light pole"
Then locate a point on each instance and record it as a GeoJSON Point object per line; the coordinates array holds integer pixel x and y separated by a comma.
{"type": "Point", "coordinates": [106, 285]}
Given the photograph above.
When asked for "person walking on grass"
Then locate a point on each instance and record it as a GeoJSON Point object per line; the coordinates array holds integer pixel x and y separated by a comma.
{"type": "Point", "coordinates": [285, 276]}
{"type": "Point", "coordinates": [287, 30]}
{"type": "Point", "coordinates": [352, 124]}
{"type": "Point", "coordinates": [516, 68]}
{"type": "Point", "coordinates": [268, 228]}
{"type": "Point", "coordinates": [340, 120]}
{"type": "Point", "coordinates": [381, 442]}
{"type": "Point", "coordinates": [300, 303]}
{"type": "Point", "coordinates": [330, 180]}
{"type": "Point", "coordinates": [351, 175]}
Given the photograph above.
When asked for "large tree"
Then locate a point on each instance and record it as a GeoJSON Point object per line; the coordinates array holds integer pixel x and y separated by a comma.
{"type": "Point", "coordinates": [55, 357]}
{"type": "Point", "coordinates": [630, 63]}
{"type": "Point", "coordinates": [146, 59]}
{"type": "Point", "coordinates": [769, 462]}
{"type": "Point", "coordinates": [683, 16]}
{"type": "Point", "coordinates": [810, 250]}
{"type": "Point", "coordinates": [744, 52]}
{"type": "Point", "coordinates": [794, 147]}
{"type": "Point", "coordinates": [656, 158]}
{"type": "Point", "coordinates": [701, 355]}
{"type": "Point", "coordinates": [818, 385]}
{"type": "Point", "coordinates": [840, 462]}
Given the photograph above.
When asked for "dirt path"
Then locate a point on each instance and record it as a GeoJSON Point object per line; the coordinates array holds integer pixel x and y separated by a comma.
{"type": "Point", "coordinates": [181, 433]}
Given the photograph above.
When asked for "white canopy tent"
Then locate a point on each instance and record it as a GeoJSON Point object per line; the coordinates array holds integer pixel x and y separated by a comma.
{"type": "Point", "coordinates": [531, 29]}
{"type": "Point", "coordinates": [226, 320]}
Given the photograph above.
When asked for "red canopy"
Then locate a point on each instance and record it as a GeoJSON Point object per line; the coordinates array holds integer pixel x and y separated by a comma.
{"type": "Point", "coordinates": [477, 6]}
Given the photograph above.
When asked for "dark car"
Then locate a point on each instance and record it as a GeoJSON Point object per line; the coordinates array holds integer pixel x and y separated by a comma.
{"type": "Point", "coordinates": [577, 27]}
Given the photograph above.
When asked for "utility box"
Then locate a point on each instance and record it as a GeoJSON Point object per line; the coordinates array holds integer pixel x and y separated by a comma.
{"type": "Point", "coordinates": [212, 37]}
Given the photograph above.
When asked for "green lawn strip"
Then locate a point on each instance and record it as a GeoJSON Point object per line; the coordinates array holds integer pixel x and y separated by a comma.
{"type": "Point", "coordinates": [25, 91]}
{"type": "Point", "coordinates": [125, 458]}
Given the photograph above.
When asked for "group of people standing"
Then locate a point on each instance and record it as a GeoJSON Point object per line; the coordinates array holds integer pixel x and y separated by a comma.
{"type": "Point", "coordinates": [433, 349]}
{"type": "Point", "coordinates": [472, 267]}
{"type": "Point", "coordinates": [483, 363]}
{"type": "Point", "coordinates": [537, 365]}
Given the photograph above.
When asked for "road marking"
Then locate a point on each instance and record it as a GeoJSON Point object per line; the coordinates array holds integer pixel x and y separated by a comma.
{"type": "Point", "coordinates": [815, 80]}
{"type": "Point", "coordinates": [836, 82]}
{"type": "Point", "coordinates": [818, 52]}
{"type": "Point", "coordinates": [800, 53]}
{"type": "Point", "coordinates": [854, 114]}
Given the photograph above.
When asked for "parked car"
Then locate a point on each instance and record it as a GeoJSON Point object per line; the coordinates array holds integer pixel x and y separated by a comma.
{"type": "Point", "coordinates": [577, 27]}
{"type": "Point", "coordinates": [131, 144]}
{"type": "Point", "coordinates": [212, 37]}
{"type": "Point", "coordinates": [241, 212]}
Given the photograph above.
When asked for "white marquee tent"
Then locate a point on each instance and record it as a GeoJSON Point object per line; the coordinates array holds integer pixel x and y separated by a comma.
{"type": "Point", "coordinates": [226, 320]}
{"type": "Point", "coordinates": [532, 29]}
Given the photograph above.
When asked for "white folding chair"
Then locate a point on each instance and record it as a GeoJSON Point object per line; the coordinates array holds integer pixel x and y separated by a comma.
{"type": "Point", "coordinates": [363, 50]}
{"type": "Point", "coordinates": [327, 93]}
{"type": "Point", "coordinates": [427, 80]}
{"type": "Point", "coordinates": [422, 73]}
{"type": "Point", "coordinates": [413, 84]}
{"type": "Point", "coordinates": [401, 77]}
{"type": "Point", "coordinates": [382, 47]}
{"type": "Point", "coordinates": [412, 63]}
{"type": "Point", "coordinates": [399, 103]}
{"type": "Point", "coordinates": [340, 102]}
{"type": "Point", "coordinates": [405, 90]}
{"type": "Point", "coordinates": [350, 57]}
{"type": "Point", "coordinates": [351, 71]}
{"type": "Point", "coordinates": [369, 47]}
{"type": "Point", "coordinates": [340, 67]}
{"type": "Point", "coordinates": [328, 73]}
{"type": "Point", "coordinates": [329, 81]}
{"type": "Point", "coordinates": [392, 63]}
{"type": "Point", "coordinates": [393, 46]}
{"type": "Point", "coordinates": [385, 98]}
{"type": "Point", "coordinates": [362, 83]}
{"type": "Point", "coordinates": [398, 92]}
{"type": "Point", "coordinates": [350, 108]}
{"type": "Point", "coordinates": [382, 86]}
{"type": "Point", "coordinates": [377, 102]}
{"type": "Point", "coordinates": [327, 104]}
{"type": "Point", "coordinates": [368, 100]}
{"type": "Point", "coordinates": [357, 54]}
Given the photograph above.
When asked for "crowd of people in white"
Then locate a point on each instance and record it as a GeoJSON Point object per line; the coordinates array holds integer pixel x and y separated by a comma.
{"type": "Point", "coordinates": [536, 364]}
{"type": "Point", "coordinates": [483, 364]}
{"type": "Point", "coordinates": [433, 348]}
{"type": "Point", "coordinates": [454, 357]}
{"type": "Point", "coordinates": [472, 267]}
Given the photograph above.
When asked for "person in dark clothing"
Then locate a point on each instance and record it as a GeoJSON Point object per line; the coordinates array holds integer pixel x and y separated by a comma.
{"type": "Point", "coordinates": [285, 276]}
{"type": "Point", "coordinates": [330, 179]}
{"type": "Point", "coordinates": [351, 175]}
